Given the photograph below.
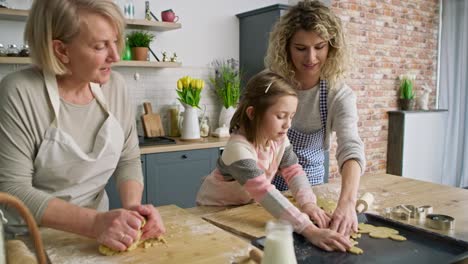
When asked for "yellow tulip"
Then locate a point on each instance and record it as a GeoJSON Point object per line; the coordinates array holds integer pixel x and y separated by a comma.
{"type": "Point", "coordinates": [180, 84]}
{"type": "Point", "coordinates": [188, 80]}
{"type": "Point", "coordinates": [202, 84]}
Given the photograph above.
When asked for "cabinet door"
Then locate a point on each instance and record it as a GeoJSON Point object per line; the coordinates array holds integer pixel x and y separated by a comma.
{"type": "Point", "coordinates": [175, 177]}
{"type": "Point", "coordinates": [112, 192]}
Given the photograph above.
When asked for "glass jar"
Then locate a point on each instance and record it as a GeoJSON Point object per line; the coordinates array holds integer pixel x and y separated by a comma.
{"type": "Point", "coordinates": [24, 51]}
{"type": "Point", "coordinates": [3, 51]}
{"type": "Point", "coordinates": [279, 245]}
{"type": "Point", "coordinates": [174, 121]}
{"type": "Point", "coordinates": [204, 126]}
{"type": "Point", "coordinates": [12, 50]}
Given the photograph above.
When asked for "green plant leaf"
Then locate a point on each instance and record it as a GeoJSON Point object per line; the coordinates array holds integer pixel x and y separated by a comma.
{"type": "Point", "coordinates": [139, 39]}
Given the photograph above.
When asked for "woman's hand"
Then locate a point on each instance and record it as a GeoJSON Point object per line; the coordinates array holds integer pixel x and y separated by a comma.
{"type": "Point", "coordinates": [318, 216]}
{"type": "Point", "coordinates": [344, 219]}
{"type": "Point", "coordinates": [117, 229]}
{"type": "Point", "coordinates": [326, 239]}
{"type": "Point", "coordinates": [154, 226]}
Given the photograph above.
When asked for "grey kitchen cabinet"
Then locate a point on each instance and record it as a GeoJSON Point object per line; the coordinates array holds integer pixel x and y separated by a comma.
{"type": "Point", "coordinates": [113, 194]}
{"type": "Point", "coordinates": [254, 31]}
{"type": "Point", "coordinates": [175, 177]}
{"type": "Point", "coordinates": [416, 144]}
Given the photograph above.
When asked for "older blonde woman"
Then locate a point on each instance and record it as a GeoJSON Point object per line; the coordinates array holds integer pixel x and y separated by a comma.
{"type": "Point", "coordinates": [66, 127]}
{"type": "Point", "coordinates": [308, 46]}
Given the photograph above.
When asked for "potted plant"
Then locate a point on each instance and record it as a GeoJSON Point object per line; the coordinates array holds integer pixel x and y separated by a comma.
{"type": "Point", "coordinates": [227, 86]}
{"type": "Point", "coordinates": [406, 100]}
{"type": "Point", "coordinates": [139, 42]}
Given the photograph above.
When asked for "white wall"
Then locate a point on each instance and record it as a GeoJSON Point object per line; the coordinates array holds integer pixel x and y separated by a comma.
{"type": "Point", "coordinates": [210, 30]}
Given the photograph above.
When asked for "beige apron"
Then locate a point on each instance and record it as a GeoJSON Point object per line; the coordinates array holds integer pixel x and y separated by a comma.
{"type": "Point", "coordinates": [215, 190]}
{"type": "Point", "coordinates": [63, 170]}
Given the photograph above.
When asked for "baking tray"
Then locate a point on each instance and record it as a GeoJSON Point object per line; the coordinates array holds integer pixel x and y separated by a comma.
{"type": "Point", "coordinates": [422, 246]}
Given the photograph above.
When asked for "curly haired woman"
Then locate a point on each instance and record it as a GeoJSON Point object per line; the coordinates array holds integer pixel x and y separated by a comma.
{"type": "Point", "coordinates": [308, 47]}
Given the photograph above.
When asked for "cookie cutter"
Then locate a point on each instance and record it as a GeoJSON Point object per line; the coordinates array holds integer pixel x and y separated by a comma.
{"type": "Point", "coordinates": [440, 222]}
{"type": "Point", "coordinates": [427, 208]}
{"type": "Point", "coordinates": [404, 212]}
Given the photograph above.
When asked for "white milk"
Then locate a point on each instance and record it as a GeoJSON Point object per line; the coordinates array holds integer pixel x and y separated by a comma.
{"type": "Point", "coordinates": [279, 246]}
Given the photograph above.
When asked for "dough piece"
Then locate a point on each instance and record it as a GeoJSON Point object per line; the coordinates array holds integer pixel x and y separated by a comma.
{"type": "Point", "coordinates": [104, 250]}
{"type": "Point", "coordinates": [327, 205]}
{"type": "Point", "coordinates": [353, 242]}
{"type": "Point", "coordinates": [397, 237]}
{"type": "Point", "coordinates": [366, 228]}
{"type": "Point", "coordinates": [355, 250]}
{"type": "Point", "coordinates": [355, 235]}
{"type": "Point", "coordinates": [383, 229]}
{"type": "Point", "coordinates": [377, 234]}
{"type": "Point", "coordinates": [18, 253]}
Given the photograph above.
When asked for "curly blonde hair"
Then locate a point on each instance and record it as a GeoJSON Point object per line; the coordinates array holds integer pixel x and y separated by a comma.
{"type": "Point", "coordinates": [309, 16]}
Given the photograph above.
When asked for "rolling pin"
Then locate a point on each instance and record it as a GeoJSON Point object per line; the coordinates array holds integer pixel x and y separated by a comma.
{"type": "Point", "coordinates": [365, 202]}
{"type": "Point", "coordinates": [256, 255]}
{"type": "Point", "coordinates": [18, 253]}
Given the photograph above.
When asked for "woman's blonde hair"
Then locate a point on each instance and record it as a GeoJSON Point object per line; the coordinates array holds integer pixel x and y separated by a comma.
{"type": "Point", "coordinates": [50, 20]}
{"type": "Point", "coordinates": [309, 16]}
{"type": "Point", "coordinates": [262, 91]}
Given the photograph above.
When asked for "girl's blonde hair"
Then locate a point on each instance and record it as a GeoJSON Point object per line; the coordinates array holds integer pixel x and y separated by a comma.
{"type": "Point", "coordinates": [50, 20]}
{"type": "Point", "coordinates": [261, 92]}
{"type": "Point", "coordinates": [309, 16]}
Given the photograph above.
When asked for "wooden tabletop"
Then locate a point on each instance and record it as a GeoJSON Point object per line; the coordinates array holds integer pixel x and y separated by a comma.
{"type": "Point", "coordinates": [388, 190]}
{"type": "Point", "coordinates": [189, 240]}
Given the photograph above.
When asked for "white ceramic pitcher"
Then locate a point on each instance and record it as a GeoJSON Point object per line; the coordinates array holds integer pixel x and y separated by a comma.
{"type": "Point", "coordinates": [190, 128]}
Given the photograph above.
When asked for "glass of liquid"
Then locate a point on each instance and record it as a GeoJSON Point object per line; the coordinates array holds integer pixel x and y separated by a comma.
{"type": "Point", "coordinates": [279, 245]}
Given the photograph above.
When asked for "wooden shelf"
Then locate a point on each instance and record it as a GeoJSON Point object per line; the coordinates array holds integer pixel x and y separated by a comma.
{"type": "Point", "coordinates": [148, 64]}
{"type": "Point", "coordinates": [13, 14]}
{"type": "Point", "coordinates": [15, 60]}
{"type": "Point", "coordinates": [22, 15]}
{"type": "Point", "coordinates": [153, 25]}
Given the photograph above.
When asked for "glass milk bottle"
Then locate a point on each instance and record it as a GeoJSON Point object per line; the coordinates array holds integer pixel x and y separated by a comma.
{"type": "Point", "coordinates": [279, 246]}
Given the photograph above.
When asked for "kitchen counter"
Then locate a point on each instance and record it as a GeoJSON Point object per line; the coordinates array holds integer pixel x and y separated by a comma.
{"type": "Point", "coordinates": [184, 226]}
{"type": "Point", "coordinates": [203, 143]}
{"type": "Point", "coordinates": [388, 190]}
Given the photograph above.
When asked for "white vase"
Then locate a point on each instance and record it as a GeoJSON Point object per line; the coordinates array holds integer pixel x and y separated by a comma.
{"type": "Point", "coordinates": [190, 128]}
{"type": "Point", "coordinates": [226, 115]}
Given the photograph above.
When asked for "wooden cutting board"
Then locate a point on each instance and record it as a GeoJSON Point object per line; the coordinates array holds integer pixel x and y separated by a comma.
{"type": "Point", "coordinates": [152, 125]}
{"type": "Point", "coordinates": [249, 220]}
{"type": "Point", "coordinates": [189, 240]}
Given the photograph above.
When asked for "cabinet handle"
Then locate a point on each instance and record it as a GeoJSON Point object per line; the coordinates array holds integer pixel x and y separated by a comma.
{"type": "Point", "coordinates": [184, 156]}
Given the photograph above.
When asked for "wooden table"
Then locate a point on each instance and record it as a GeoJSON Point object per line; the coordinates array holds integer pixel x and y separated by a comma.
{"type": "Point", "coordinates": [388, 190]}
{"type": "Point", "coordinates": [189, 240]}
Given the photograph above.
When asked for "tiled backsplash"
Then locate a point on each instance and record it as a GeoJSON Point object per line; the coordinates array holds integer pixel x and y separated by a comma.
{"type": "Point", "coordinates": [157, 86]}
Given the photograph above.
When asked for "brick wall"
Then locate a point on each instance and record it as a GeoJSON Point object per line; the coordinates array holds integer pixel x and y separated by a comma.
{"type": "Point", "coordinates": [387, 39]}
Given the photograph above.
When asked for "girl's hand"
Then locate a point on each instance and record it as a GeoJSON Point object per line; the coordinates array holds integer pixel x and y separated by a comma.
{"type": "Point", "coordinates": [318, 216]}
{"type": "Point", "coordinates": [117, 229]}
{"type": "Point", "coordinates": [327, 239]}
{"type": "Point", "coordinates": [344, 219]}
{"type": "Point", "coordinates": [154, 226]}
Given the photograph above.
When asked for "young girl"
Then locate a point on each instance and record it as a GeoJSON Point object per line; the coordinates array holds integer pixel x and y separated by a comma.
{"type": "Point", "coordinates": [256, 151]}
